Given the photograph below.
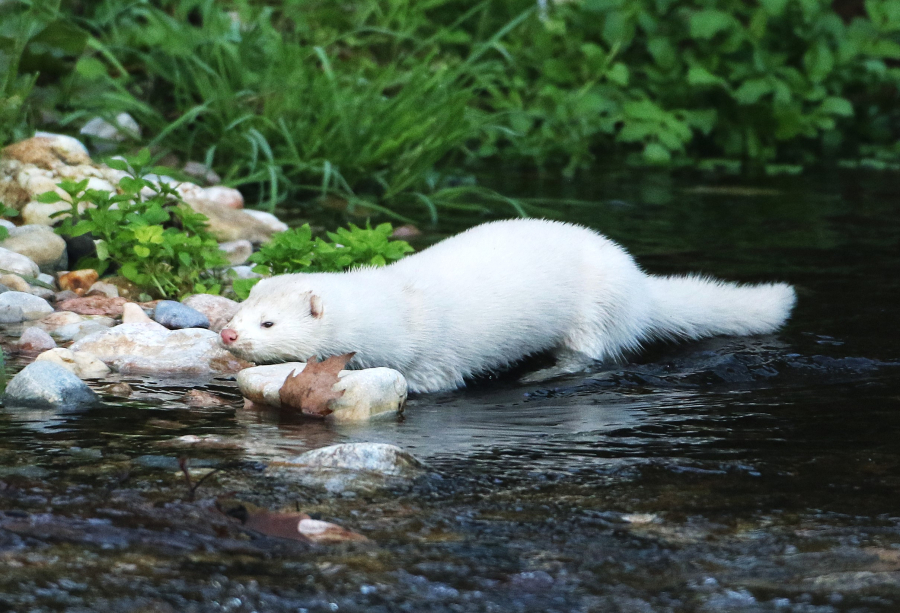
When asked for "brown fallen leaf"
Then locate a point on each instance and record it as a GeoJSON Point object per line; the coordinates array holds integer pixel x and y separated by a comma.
{"type": "Point", "coordinates": [311, 390]}
{"type": "Point", "coordinates": [293, 526]}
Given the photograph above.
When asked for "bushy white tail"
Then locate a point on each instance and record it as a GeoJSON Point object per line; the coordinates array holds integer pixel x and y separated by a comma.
{"type": "Point", "coordinates": [695, 306]}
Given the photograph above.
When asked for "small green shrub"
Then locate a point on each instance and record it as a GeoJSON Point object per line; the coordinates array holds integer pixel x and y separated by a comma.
{"type": "Point", "coordinates": [156, 242]}
{"type": "Point", "coordinates": [296, 251]}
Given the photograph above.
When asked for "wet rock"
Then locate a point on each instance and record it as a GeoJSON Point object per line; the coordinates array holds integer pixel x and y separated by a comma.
{"type": "Point", "coordinates": [47, 384]}
{"type": "Point", "coordinates": [78, 281]}
{"type": "Point", "coordinates": [175, 316]}
{"type": "Point", "coordinates": [353, 467]}
{"type": "Point", "coordinates": [35, 340]}
{"type": "Point", "coordinates": [32, 307]}
{"type": "Point", "coordinates": [237, 252]}
{"type": "Point", "coordinates": [217, 309]}
{"type": "Point", "coordinates": [82, 364]}
{"type": "Point", "coordinates": [102, 288]}
{"type": "Point", "coordinates": [93, 305]}
{"type": "Point", "coordinates": [15, 283]}
{"type": "Point", "coordinates": [148, 348]}
{"type": "Point", "coordinates": [121, 389]}
{"type": "Point", "coordinates": [368, 393]}
{"type": "Point", "coordinates": [203, 399]}
{"type": "Point", "coordinates": [11, 314]}
{"type": "Point", "coordinates": [16, 263]}
{"type": "Point", "coordinates": [58, 319]}
{"type": "Point", "coordinates": [40, 244]}
{"type": "Point", "coordinates": [79, 330]}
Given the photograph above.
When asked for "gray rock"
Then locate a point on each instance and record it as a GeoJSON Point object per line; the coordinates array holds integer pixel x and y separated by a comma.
{"type": "Point", "coordinates": [82, 364]}
{"type": "Point", "coordinates": [10, 314]}
{"type": "Point", "coordinates": [237, 252]}
{"type": "Point", "coordinates": [40, 244]}
{"type": "Point", "coordinates": [32, 307]}
{"type": "Point", "coordinates": [177, 316]}
{"type": "Point", "coordinates": [79, 330]}
{"type": "Point", "coordinates": [355, 467]}
{"type": "Point", "coordinates": [16, 263]}
{"type": "Point", "coordinates": [35, 339]}
{"type": "Point", "coordinates": [45, 384]}
{"type": "Point", "coordinates": [4, 289]}
{"type": "Point", "coordinates": [218, 309]}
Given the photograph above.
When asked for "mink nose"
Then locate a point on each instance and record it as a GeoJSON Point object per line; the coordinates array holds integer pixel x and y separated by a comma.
{"type": "Point", "coordinates": [229, 336]}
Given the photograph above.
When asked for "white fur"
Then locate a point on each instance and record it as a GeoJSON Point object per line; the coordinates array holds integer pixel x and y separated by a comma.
{"type": "Point", "coordinates": [484, 299]}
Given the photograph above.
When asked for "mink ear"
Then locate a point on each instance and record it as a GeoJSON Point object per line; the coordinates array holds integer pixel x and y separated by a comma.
{"type": "Point", "coordinates": [315, 306]}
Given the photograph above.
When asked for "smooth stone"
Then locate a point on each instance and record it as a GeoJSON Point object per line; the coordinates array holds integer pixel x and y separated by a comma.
{"type": "Point", "coordinates": [134, 314]}
{"type": "Point", "coordinates": [237, 252]}
{"type": "Point", "coordinates": [93, 305]}
{"type": "Point", "coordinates": [273, 223]}
{"type": "Point", "coordinates": [82, 364]}
{"type": "Point", "coordinates": [4, 289]}
{"type": "Point", "coordinates": [16, 263]}
{"type": "Point", "coordinates": [40, 213]}
{"type": "Point", "coordinates": [148, 348]}
{"type": "Point", "coordinates": [353, 467]}
{"type": "Point", "coordinates": [245, 272]}
{"type": "Point", "coordinates": [103, 288]}
{"type": "Point", "coordinates": [368, 393]}
{"type": "Point", "coordinates": [58, 319]}
{"type": "Point", "coordinates": [40, 244]}
{"type": "Point", "coordinates": [35, 339]}
{"type": "Point", "coordinates": [79, 330]}
{"type": "Point", "coordinates": [32, 307]}
{"type": "Point", "coordinates": [47, 384]}
{"type": "Point", "coordinates": [217, 309]}
{"type": "Point", "coordinates": [125, 127]}
{"type": "Point", "coordinates": [42, 292]}
{"type": "Point", "coordinates": [7, 224]}
{"type": "Point", "coordinates": [47, 278]}
{"type": "Point", "coordinates": [47, 150]}
{"type": "Point", "coordinates": [15, 283]}
{"type": "Point", "coordinates": [176, 316]}
{"type": "Point", "coordinates": [10, 314]}
{"type": "Point", "coordinates": [78, 281]}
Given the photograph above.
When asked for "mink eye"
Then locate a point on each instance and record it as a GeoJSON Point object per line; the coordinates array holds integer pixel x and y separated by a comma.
{"type": "Point", "coordinates": [267, 324]}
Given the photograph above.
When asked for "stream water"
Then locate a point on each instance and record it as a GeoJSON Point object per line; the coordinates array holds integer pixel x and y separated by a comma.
{"type": "Point", "coordinates": [738, 475]}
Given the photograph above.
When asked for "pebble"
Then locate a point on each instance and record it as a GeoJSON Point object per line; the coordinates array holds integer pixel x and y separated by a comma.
{"type": "Point", "coordinates": [273, 223]}
{"type": "Point", "coordinates": [176, 316]}
{"type": "Point", "coordinates": [93, 305]}
{"type": "Point", "coordinates": [237, 252]}
{"type": "Point", "coordinates": [40, 244]}
{"type": "Point", "coordinates": [15, 283]}
{"type": "Point", "coordinates": [4, 289]}
{"type": "Point", "coordinates": [10, 314]}
{"type": "Point", "coordinates": [47, 384]}
{"type": "Point", "coordinates": [79, 330]}
{"type": "Point", "coordinates": [217, 309]}
{"type": "Point", "coordinates": [368, 393]}
{"type": "Point", "coordinates": [103, 288]}
{"type": "Point", "coordinates": [16, 263]}
{"type": "Point", "coordinates": [148, 348]}
{"type": "Point", "coordinates": [78, 281]}
{"type": "Point", "coordinates": [58, 319]}
{"type": "Point", "coordinates": [34, 340]}
{"type": "Point", "coordinates": [125, 127]}
{"type": "Point", "coordinates": [134, 314]}
{"type": "Point", "coordinates": [82, 364]}
{"type": "Point", "coordinates": [32, 307]}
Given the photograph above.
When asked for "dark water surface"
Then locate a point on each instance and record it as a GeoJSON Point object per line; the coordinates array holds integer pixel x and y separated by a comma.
{"type": "Point", "coordinates": [743, 475]}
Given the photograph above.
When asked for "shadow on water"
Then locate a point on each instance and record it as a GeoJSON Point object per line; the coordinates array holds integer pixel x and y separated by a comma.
{"type": "Point", "coordinates": [750, 475]}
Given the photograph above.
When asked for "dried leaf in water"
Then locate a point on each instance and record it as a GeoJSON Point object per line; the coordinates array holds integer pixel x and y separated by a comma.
{"type": "Point", "coordinates": [311, 390]}
{"type": "Point", "coordinates": [293, 526]}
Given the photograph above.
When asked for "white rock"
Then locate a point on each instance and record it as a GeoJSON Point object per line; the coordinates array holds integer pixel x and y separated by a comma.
{"type": "Point", "coordinates": [134, 314]}
{"type": "Point", "coordinates": [65, 143]}
{"type": "Point", "coordinates": [100, 128]}
{"type": "Point", "coordinates": [237, 252]}
{"type": "Point", "coordinates": [59, 319]}
{"type": "Point", "coordinates": [40, 244]}
{"type": "Point", "coordinates": [15, 283]}
{"type": "Point", "coordinates": [16, 263]}
{"type": "Point", "coordinates": [368, 393]}
{"type": "Point", "coordinates": [32, 306]}
{"type": "Point", "coordinates": [11, 314]}
{"type": "Point", "coordinates": [35, 339]}
{"type": "Point", "coordinates": [148, 348]}
{"type": "Point", "coordinates": [245, 272]}
{"type": "Point", "coordinates": [218, 309]}
{"type": "Point", "coordinates": [107, 289]}
{"type": "Point", "coordinates": [83, 364]}
{"type": "Point", "coordinates": [7, 224]}
{"type": "Point", "coordinates": [272, 222]}
{"type": "Point", "coordinates": [79, 330]}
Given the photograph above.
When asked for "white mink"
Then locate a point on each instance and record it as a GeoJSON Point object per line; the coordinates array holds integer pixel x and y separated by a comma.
{"type": "Point", "coordinates": [486, 298]}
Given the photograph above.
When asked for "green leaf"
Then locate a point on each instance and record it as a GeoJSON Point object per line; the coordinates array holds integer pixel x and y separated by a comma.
{"type": "Point", "coordinates": [618, 74]}
{"type": "Point", "coordinates": [819, 61]}
{"type": "Point", "coordinates": [655, 153]}
{"type": "Point", "coordinates": [837, 106]}
{"type": "Point", "coordinates": [752, 90]}
{"type": "Point", "coordinates": [49, 198]}
{"type": "Point", "coordinates": [102, 249]}
{"type": "Point", "coordinates": [242, 287]}
{"type": "Point", "coordinates": [697, 75]}
{"type": "Point", "coordinates": [142, 251]}
{"type": "Point", "coordinates": [774, 7]}
{"type": "Point", "coordinates": [706, 24]}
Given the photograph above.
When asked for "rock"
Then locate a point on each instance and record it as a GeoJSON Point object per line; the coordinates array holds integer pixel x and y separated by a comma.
{"type": "Point", "coordinates": [203, 399]}
{"type": "Point", "coordinates": [32, 306]}
{"type": "Point", "coordinates": [121, 389]}
{"type": "Point", "coordinates": [7, 224]}
{"type": "Point", "coordinates": [237, 252]}
{"type": "Point", "coordinates": [175, 316]}
{"type": "Point", "coordinates": [270, 221]}
{"type": "Point", "coordinates": [148, 348]}
{"type": "Point", "coordinates": [4, 289]}
{"type": "Point", "coordinates": [245, 272]}
{"type": "Point", "coordinates": [16, 263]}
{"type": "Point", "coordinates": [353, 467]}
{"type": "Point", "coordinates": [35, 340]}
{"type": "Point", "coordinates": [126, 288]}
{"type": "Point", "coordinates": [15, 283]}
{"type": "Point", "coordinates": [201, 171]}
{"type": "Point", "coordinates": [134, 314]}
{"type": "Point", "coordinates": [58, 319]}
{"type": "Point", "coordinates": [234, 224]}
{"type": "Point", "coordinates": [82, 364]}
{"type": "Point", "coordinates": [11, 314]}
{"type": "Point", "coordinates": [48, 151]}
{"type": "Point", "coordinates": [368, 393]}
{"type": "Point", "coordinates": [50, 280]}
{"type": "Point", "coordinates": [101, 288]}
{"type": "Point", "coordinates": [81, 329]}
{"type": "Point", "coordinates": [93, 305]}
{"type": "Point", "coordinates": [125, 127]}
{"type": "Point", "coordinates": [42, 292]}
{"type": "Point", "coordinates": [217, 309]}
{"type": "Point", "coordinates": [40, 244]}
{"type": "Point", "coordinates": [41, 213]}
{"type": "Point", "coordinates": [216, 197]}
{"type": "Point", "coordinates": [65, 295]}
{"type": "Point", "coordinates": [47, 384]}
{"type": "Point", "coordinates": [406, 231]}
{"type": "Point", "coordinates": [78, 281]}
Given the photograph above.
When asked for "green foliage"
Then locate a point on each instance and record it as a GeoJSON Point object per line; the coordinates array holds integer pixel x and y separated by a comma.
{"type": "Point", "coordinates": [6, 211]}
{"type": "Point", "coordinates": [296, 251]}
{"type": "Point", "coordinates": [156, 241]}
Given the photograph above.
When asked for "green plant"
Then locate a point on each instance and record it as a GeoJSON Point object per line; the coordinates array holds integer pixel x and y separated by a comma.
{"type": "Point", "coordinates": [155, 241]}
{"type": "Point", "coordinates": [296, 251]}
{"type": "Point", "coordinates": [6, 211]}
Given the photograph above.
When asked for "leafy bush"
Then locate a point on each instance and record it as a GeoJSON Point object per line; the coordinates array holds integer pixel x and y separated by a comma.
{"type": "Point", "coordinates": [296, 251]}
{"type": "Point", "coordinates": [156, 242]}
